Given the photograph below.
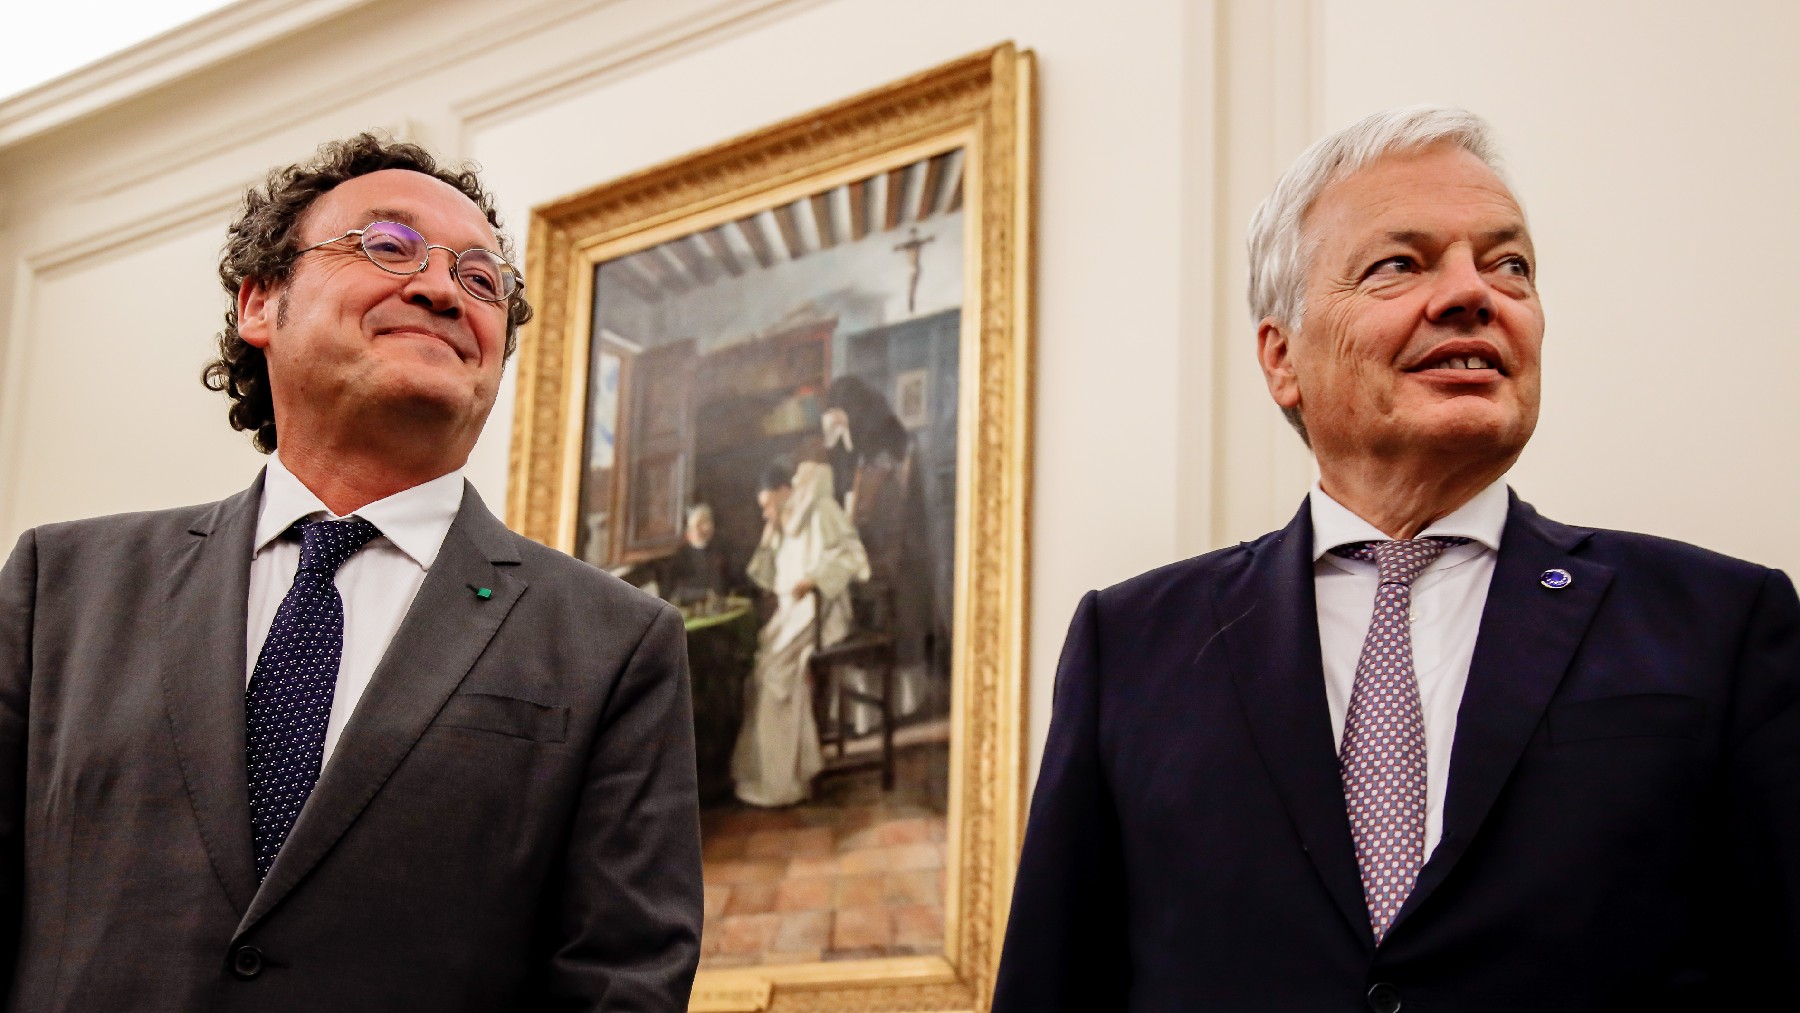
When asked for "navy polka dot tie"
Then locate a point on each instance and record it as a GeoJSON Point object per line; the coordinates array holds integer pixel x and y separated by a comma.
{"type": "Point", "coordinates": [289, 700]}
{"type": "Point", "coordinates": [1382, 758]}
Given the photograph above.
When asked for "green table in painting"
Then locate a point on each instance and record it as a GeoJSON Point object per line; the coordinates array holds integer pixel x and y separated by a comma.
{"type": "Point", "coordinates": [721, 652]}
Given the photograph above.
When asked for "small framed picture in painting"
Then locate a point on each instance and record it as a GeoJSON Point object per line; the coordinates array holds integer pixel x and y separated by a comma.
{"type": "Point", "coordinates": [912, 392]}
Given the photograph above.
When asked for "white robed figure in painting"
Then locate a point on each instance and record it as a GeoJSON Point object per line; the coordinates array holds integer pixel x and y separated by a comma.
{"type": "Point", "coordinates": [808, 545]}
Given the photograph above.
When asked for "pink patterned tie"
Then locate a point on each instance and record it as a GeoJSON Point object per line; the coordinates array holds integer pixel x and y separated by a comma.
{"type": "Point", "coordinates": [1383, 755]}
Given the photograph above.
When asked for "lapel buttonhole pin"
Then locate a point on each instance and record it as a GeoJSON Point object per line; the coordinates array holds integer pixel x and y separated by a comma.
{"type": "Point", "coordinates": [483, 593]}
{"type": "Point", "coordinates": [1556, 580]}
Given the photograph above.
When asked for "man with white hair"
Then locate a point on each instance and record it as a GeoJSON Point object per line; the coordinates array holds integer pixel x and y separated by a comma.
{"type": "Point", "coordinates": [1423, 748]}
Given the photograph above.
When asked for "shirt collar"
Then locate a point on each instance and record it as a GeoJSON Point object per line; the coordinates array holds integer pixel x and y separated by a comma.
{"type": "Point", "coordinates": [415, 520]}
{"type": "Point", "coordinates": [1482, 519]}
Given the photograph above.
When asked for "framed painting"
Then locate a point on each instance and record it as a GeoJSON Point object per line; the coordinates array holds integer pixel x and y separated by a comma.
{"type": "Point", "coordinates": [784, 383]}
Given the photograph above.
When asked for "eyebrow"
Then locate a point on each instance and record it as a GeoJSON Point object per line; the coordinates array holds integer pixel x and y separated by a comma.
{"type": "Point", "coordinates": [1493, 237]}
{"type": "Point", "coordinates": [1415, 237]}
{"type": "Point", "coordinates": [411, 221]}
{"type": "Point", "coordinates": [405, 218]}
{"type": "Point", "coordinates": [1510, 234]}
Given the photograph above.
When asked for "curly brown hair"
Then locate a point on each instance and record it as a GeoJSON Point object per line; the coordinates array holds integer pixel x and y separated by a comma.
{"type": "Point", "coordinates": [263, 244]}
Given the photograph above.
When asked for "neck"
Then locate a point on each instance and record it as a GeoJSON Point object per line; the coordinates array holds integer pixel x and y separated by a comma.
{"type": "Point", "coordinates": [1400, 502]}
{"type": "Point", "coordinates": [351, 455]}
{"type": "Point", "coordinates": [347, 479]}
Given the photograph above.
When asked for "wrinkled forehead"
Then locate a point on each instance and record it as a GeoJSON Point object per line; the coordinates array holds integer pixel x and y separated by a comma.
{"type": "Point", "coordinates": [429, 206]}
{"type": "Point", "coordinates": [1442, 190]}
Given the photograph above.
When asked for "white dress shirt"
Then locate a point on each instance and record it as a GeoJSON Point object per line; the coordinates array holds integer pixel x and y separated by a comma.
{"type": "Point", "coordinates": [377, 583]}
{"type": "Point", "coordinates": [1447, 599]}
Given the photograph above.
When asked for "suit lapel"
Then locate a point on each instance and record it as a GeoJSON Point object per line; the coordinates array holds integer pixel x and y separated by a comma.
{"type": "Point", "coordinates": [1529, 635]}
{"type": "Point", "coordinates": [444, 632]}
{"type": "Point", "coordinates": [1274, 647]}
{"type": "Point", "coordinates": [201, 650]}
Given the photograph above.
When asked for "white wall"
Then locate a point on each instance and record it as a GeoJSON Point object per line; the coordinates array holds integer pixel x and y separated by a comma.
{"type": "Point", "coordinates": [1651, 142]}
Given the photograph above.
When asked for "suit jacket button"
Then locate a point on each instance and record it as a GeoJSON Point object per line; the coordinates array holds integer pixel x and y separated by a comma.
{"type": "Point", "coordinates": [1384, 998]}
{"type": "Point", "coordinates": [246, 962]}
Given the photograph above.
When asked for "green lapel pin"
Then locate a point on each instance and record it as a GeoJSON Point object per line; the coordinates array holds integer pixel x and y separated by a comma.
{"type": "Point", "coordinates": [484, 593]}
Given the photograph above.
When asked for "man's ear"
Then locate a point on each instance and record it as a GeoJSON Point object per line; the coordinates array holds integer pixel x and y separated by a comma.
{"type": "Point", "coordinates": [257, 308]}
{"type": "Point", "coordinates": [1275, 354]}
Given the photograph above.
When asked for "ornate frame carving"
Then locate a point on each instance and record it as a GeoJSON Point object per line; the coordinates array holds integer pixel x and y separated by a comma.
{"type": "Point", "coordinates": [983, 103]}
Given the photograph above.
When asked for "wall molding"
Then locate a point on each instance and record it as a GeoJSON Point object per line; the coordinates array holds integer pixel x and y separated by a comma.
{"type": "Point", "coordinates": [178, 53]}
{"type": "Point", "coordinates": [121, 235]}
{"type": "Point", "coordinates": [86, 251]}
{"type": "Point", "coordinates": [213, 140]}
{"type": "Point", "coordinates": [675, 32]}
{"type": "Point", "coordinates": [119, 238]}
{"type": "Point", "coordinates": [17, 359]}
{"type": "Point", "coordinates": [671, 38]}
{"type": "Point", "coordinates": [1196, 413]}
{"type": "Point", "coordinates": [1269, 107]}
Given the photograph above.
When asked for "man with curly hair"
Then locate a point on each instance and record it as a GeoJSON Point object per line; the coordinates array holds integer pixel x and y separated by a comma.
{"type": "Point", "coordinates": [343, 741]}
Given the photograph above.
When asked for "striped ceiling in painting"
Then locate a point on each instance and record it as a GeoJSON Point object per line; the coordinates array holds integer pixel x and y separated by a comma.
{"type": "Point", "coordinates": [881, 203]}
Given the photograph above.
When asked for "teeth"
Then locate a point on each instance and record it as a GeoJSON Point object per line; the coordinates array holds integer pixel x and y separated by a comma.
{"type": "Point", "coordinates": [1464, 362]}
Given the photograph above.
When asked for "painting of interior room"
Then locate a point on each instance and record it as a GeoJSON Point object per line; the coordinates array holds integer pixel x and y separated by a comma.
{"type": "Point", "coordinates": [771, 446]}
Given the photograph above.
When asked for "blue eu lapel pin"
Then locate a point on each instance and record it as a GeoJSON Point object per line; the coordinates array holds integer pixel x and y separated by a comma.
{"type": "Point", "coordinates": [1556, 579]}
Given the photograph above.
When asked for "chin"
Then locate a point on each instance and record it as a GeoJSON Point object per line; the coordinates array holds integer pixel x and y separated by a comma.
{"type": "Point", "coordinates": [1485, 434]}
{"type": "Point", "coordinates": [449, 380]}
{"type": "Point", "coordinates": [423, 401]}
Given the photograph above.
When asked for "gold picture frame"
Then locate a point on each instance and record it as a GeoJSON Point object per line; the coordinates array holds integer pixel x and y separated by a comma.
{"type": "Point", "coordinates": [972, 118]}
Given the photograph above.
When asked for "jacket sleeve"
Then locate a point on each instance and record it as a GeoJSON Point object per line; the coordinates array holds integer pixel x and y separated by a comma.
{"type": "Point", "coordinates": [1066, 946]}
{"type": "Point", "coordinates": [1757, 932]}
{"type": "Point", "coordinates": [629, 901]}
{"type": "Point", "coordinates": [18, 582]}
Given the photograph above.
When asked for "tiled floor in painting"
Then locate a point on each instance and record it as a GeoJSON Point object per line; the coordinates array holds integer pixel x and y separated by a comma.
{"type": "Point", "coordinates": [855, 873]}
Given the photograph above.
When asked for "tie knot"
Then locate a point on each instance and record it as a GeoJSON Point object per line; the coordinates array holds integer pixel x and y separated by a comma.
{"type": "Point", "coordinates": [324, 545]}
{"type": "Point", "coordinates": [1400, 560]}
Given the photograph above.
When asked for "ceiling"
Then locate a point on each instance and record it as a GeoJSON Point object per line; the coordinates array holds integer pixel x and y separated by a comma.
{"type": "Point", "coordinates": [885, 202]}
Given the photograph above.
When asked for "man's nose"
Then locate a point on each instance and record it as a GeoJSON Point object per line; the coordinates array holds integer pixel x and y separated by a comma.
{"type": "Point", "coordinates": [1462, 296]}
{"type": "Point", "coordinates": [435, 287]}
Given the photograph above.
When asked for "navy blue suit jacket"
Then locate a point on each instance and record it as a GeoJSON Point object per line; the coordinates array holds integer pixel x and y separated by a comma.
{"type": "Point", "coordinates": [1621, 827]}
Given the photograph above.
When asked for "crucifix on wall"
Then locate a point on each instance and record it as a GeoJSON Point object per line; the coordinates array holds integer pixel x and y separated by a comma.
{"type": "Point", "coordinates": [912, 248]}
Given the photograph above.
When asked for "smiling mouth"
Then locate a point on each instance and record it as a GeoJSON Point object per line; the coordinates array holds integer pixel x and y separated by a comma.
{"type": "Point", "coordinates": [1460, 364]}
{"type": "Point", "coordinates": [423, 333]}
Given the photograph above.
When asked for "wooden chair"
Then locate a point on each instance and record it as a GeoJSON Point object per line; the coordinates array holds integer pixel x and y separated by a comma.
{"type": "Point", "coordinates": [870, 648]}
{"type": "Point", "coordinates": [880, 514]}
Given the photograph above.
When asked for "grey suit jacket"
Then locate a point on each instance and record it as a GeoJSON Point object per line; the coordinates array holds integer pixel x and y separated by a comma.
{"type": "Point", "coordinates": [508, 822]}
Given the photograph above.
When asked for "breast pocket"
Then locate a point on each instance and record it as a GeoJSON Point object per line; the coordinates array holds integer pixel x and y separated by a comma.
{"type": "Point", "coordinates": [505, 715]}
{"type": "Point", "coordinates": [1639, 715]}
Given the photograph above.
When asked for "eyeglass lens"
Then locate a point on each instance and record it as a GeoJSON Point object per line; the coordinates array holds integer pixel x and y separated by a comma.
{"type": "Point", "coordinates": [397, 248]}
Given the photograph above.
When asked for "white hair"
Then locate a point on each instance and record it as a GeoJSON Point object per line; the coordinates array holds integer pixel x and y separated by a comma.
{"type": "Point", "coordinates": [1280, 250]}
